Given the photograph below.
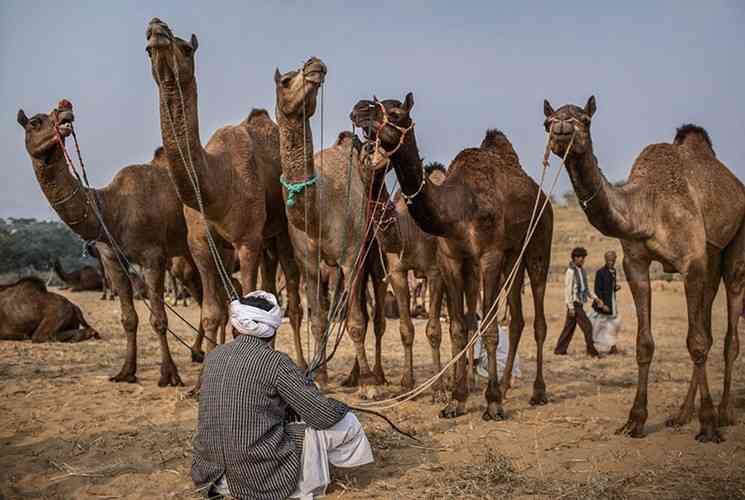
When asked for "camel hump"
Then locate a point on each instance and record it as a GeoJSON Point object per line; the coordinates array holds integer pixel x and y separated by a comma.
{"type": "Point", "coordinates": [159, 154]}
{"type": "Point", "coordinates": [344, 135]}
{"type": "Point", "coordinates": [695, 137]}
{"type": "Point", "coordinates": [495, 140]}
{"type": "Point", "coordinates": [257, 114]}
{"type": "Point", "coordinates": [32, 281]}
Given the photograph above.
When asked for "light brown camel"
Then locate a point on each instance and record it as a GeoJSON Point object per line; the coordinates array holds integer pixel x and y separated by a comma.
{"type": "Point", "coordinates": [481, 212]}
{"type": "Point", "coordinates": [87, 278]}
{"type": "Point", "coordinates": [683, 208]}
{"type": "Point", "coordinates": [29, 311]}
{"type": "Point", "coordinates": [237, 173]}
{"type": "Point", "coordinates": [141, 210]}
{"type": "Point", "coordinates": [326, 219]}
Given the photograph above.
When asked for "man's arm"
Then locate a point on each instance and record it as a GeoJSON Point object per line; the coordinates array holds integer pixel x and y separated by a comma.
{"type": "Point", "coordinates": [569, 290]}
{"type": "Point", "coordinates": [304, 398]}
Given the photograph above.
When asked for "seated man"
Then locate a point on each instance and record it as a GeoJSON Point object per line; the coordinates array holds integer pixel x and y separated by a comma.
{"type": "Point", "coordinates": [245, 445]}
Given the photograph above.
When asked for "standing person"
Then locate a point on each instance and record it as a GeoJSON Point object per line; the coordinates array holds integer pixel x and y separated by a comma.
{"type": "Point", "coordinates": [576, 293]}
{"type": "Point", "coordinates": [604, 318]}
{"type": "Point", "coordinates": [264, 430]}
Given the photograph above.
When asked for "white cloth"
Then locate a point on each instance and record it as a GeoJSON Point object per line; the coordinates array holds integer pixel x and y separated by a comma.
{"type": "Point", "coordinates": [342, 445]}
{"type": "Point", "coordinates": [605, 330]}
{"type": "Point", "coordinates": [481, 357]}
{"type": "Point", "coordinates": [249, 320]}
{"type": "Point", "coordinates": [572, 287]}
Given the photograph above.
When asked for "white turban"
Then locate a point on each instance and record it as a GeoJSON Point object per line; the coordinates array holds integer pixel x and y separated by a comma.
{"type": "Point", "coordinates": [249, 320]}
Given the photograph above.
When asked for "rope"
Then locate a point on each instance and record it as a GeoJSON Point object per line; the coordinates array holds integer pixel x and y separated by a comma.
{"type": "Point", "coordinates": [295, 188]}
{"type": "Point", "coordinates": [501, 299]}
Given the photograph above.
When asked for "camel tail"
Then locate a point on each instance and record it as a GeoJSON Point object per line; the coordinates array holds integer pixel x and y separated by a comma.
{"type": "Point", "coordinates": [695, 137]}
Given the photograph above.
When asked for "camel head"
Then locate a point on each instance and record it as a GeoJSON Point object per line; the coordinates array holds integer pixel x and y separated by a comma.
{"type": "Point", "coordinates": [42, 130]}
{"type": "Point", "coordinates": [170, 56]}
{"type": "Point", "coordinates": [297, 90]}
{"type": "Point", "coordinates": [387, 120]}
{"type": "Point", "coordinates": [566, 121]}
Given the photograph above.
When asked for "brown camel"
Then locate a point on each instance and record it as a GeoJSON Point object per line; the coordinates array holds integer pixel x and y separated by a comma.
{"type": "Point", "coordinates": [683, 208]}
{"type": "Point", "coordinates": [141, 210]}
{"type": "Point", "coordinates": [325, 219]}
{"type": "Point", "coordinates": [237, 173]}
{"type": "Point", "coordinates": [87, 278]}
{"type": "Point", "coordinates": [108, 290]}
{"type": "Point", "coordinates": [481, 212]}
{"type": "Point", "coordinates": [29, 311]}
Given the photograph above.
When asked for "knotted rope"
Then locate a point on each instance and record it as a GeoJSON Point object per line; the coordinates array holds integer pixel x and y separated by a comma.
{"type": "Point", "coordinates": [295, 188]}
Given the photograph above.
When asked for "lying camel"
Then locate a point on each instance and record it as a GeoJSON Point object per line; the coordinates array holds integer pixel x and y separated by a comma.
{"type": "Point", "coordinates": [85, 278]}
{"type": "Point", "coordinates": [28, 310]}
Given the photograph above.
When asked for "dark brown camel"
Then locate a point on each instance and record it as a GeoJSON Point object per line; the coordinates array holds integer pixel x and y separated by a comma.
{"type": "Point", "coordinates": [141, 210]}
{"type": "Point", "coordinates": [681, 207]}
{"type": "Point", "coordinates": [29, 311]}
{"type": "Point", "coordinates": [87, 278]}
{"type": "Point", "coordinates": [237, 172]}
{"type": "Point", "coordinates": [481, 212]}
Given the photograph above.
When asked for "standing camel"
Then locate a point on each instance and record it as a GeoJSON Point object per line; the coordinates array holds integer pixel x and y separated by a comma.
{"type": "Point", "coordinates": [237, 173]}
{"type": "Point", "coordinates": [481, 213]}
{"type": "Point", "coordinates": [326, 219]}
{"type": "Point", "coordinates": [683, 208]}
{"type": "Point", "coordinates": [141, 210]}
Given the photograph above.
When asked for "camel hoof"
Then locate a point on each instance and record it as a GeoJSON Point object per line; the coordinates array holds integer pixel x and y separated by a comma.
{"type": "Point", "coordinates": [407, 382]}
{"type": "Point", "coordinates": [539, 399]}
{"type": "Point", "coordinates": [129, 378]}
{"type": "Point", "coordinates": [379, 376]}
{"type": "Point", "coordinates": [632, 429]}
{"type": "Point", "coordinates": [169, 377]}
{"type": "Point", "coordinates": [197, 356]}
{"type": "Point", "coordinates": [726, 417]}
{"type": "Point", "coordinates": [368, 392]}
{"type": "Point", "coordinates": [494, 412]}
{"type": "Point", "coordinates": [677, 421]}
{"type": "Point", "coordinates": [452, 410]}
{"type": "Point", "coordinates": [709, 435]}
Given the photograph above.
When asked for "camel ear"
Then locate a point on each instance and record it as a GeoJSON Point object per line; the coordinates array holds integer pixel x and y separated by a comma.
{"type": "Point", "coordinates": [548, 110]}
{"type": "Point", "coordinates": [22, 118]}
{"type": "Point", "coordinates": [277, 75]}
{"type": "Point", "coordinates": [194, 42]}
{"type": "Point", "coordinates": [409, 102]}
{"type": "Point", "coordinates": [375, 98]}
{"type": "Point", "coordinates": [591, 107]}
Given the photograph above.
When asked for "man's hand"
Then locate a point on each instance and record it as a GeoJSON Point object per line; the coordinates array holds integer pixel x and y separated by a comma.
{"type": "Point", "coordinates": [618, 287]}
{"type": "Point", "coordinates": [605, 309]}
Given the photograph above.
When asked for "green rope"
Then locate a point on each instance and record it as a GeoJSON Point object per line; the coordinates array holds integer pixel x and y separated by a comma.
{"type": "Point", "coordinates": [296, 188]}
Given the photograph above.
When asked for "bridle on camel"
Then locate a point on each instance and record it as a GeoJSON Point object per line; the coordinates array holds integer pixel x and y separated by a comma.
{"type": "Point", "coordinates": [586, 202]}
{"type": "Point", "coordinates": [93, 202]}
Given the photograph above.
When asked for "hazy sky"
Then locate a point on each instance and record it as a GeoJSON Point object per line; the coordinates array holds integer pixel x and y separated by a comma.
{"type": "Point", "coordinates": [471, 66]}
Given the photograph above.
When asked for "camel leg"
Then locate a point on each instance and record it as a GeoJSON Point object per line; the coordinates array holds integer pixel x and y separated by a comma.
{"type": "Point", "coordinates": [317, 297]}
{"type": "Point", "coordinates": [357, 327]}
{"type": "Point", "coordinates": [452, 275]}
{"type": "Point", "coordinates": [123, 287]}
{"type": "Point", "coordinates": [54, 321]}
{"type": "Point", "coordinates": [517, 324]}
{"type": "Point", "coordinates": [492, 277]}
{"type": "Point", "coordinates": [636, 267]}
{"type": "Point", "coordinates": [734, 282]}
{"type": "Point", "coordinates": [380, 287]}
{"type": "Point", "coordinates": [405, 326]}
{"type": "Point", "coordinates": [471, 291]}
{"type": "Point", "coordinates": [685, 413]}
{"type": "Point", "coordinates": [249, 255]}
{"type": "Point", "coordinates": [154, 279]}
{"type": "Point", "coordinates": [538, 273]}
{"type": "Point", "coordinates": [294, 306]}
{"type": "Point", "coordinates": [434, 330]}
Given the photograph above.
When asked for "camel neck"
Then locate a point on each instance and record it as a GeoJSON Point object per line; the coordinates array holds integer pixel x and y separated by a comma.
{"type": "Point", "coordinates": [606, 206]}
{"type": "Point", "coordinates": [296, 154]}
{"type": "Point", "coordinates": [388, 233]}
{"type": "Point", "coordinates": [67, 197]}
{"type": "Point", "coordinates": [179, 124]}
{"type": "Point", "coordinates": [428, 203]}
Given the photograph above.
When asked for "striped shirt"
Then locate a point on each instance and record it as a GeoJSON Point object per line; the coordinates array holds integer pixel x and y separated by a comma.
{"type": "Point", "coordinates": [242, 432]}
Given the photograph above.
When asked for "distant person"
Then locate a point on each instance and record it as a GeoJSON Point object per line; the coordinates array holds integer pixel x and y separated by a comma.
{"type": "Point", "coordinates": [605, 321]}
{"type": "Point", "coordinates": [264, 430]}
{"type": "Point", "coordinates": [576, 293]}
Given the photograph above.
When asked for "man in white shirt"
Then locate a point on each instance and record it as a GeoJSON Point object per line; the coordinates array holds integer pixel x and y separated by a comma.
{"type": "Point", "coordinates": [576, 293]}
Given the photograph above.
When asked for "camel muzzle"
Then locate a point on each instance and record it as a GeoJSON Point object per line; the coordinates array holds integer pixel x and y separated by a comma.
{"type": "Point", "coordinates": [314, 71]}
{"type": "Point", "coordinates": [158, 34]}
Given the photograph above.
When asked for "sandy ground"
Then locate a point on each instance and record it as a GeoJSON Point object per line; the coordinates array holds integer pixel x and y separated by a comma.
{"type": "Point", "coordinates": [69, 433]}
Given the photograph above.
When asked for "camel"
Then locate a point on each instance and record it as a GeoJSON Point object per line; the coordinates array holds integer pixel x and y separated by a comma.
{"type": "Point", "coordinates": [141, 210]}
{"type": "Point", "coordinates": [29, 310]}
{"type": "Point", "coordinates": [108, 290]}
{"type": "Point", "coordinates": [325, 220]}
{"type": "Point", "coordinates": [87, 278]}
{"type": "Point", "coordinates": [237, 173]}
{"type": "Point", "coordinates": [481, 213]}
{"type": "Point", "coordinates": [683, 208]}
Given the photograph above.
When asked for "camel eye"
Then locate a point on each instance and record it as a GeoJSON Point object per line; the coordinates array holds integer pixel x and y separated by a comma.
{"type": "Point", "coordinates": [35, 123]}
